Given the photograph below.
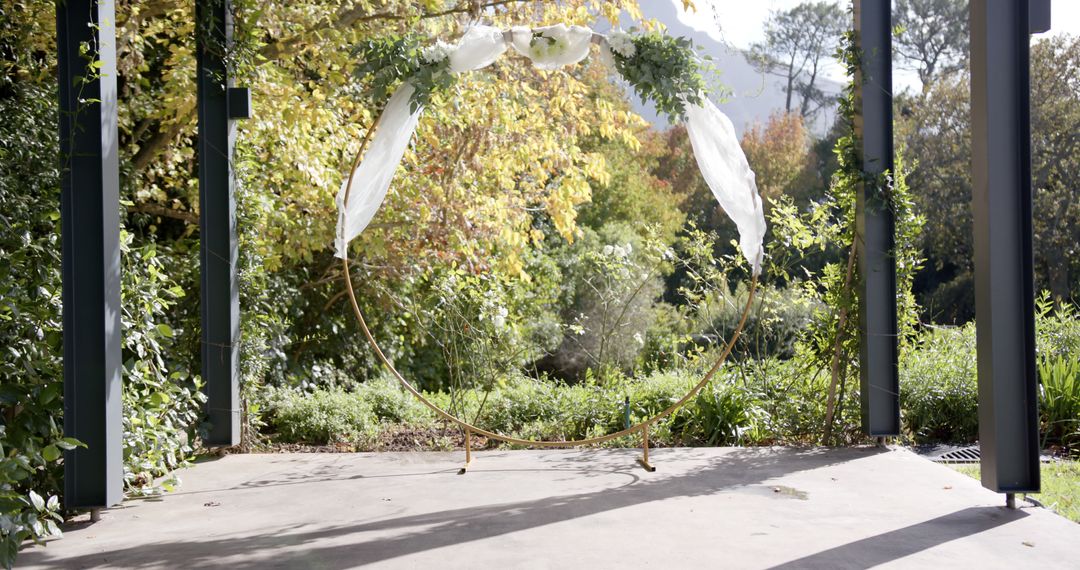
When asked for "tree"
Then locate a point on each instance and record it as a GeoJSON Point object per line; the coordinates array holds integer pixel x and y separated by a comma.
{"type": "Point", "coordinates": [798, 45]}
{"type": "Point", "coordinates": [780, 155]}
{"type": "Point", "coordinates": [932, 36]}
{"type": "Point", "coordinates": [936, 130]}
{"type": "Point", "coordinates": [1055, 163]}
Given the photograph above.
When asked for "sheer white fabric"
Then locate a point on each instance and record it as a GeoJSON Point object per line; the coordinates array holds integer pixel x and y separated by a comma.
{"type": "Point", "coordinates": [716, 147]}
{"type": "Point", "coordinates": [724, 167]}
{"type": "Point", "coordinates": [372, 177]}
{"type": "Point", "coordinates": [478, 48]}
{"type": "Point", "coordinates": [569, 45]}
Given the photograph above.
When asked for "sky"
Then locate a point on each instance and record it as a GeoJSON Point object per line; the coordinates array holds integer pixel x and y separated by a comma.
{"type": "Point", "coordinates": [740, 22]}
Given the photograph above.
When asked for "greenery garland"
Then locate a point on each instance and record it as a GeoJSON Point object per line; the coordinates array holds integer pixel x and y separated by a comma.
{"type": "Point", "coordinates": [388, 62]}
{"type": "Point", "coordinates": [661, 69]}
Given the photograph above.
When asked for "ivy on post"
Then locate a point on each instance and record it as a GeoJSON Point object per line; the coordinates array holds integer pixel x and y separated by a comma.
{"type": "Point", "coordinates": [220, 297]}
{"type": "Point", "coordinates": [875, 223]}
{"type": "Point", "coordinates": [90, 218]}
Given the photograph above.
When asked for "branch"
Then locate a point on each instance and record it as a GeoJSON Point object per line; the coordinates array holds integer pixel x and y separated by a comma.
{"type": "Point", "coordinates": [158, 210]}
{"type": "Point", "coordinates": [349, 18]}
{"type": "Point", "coordinates": [161, 138]}
{"type": "Point", "coordinates": [830, 405]}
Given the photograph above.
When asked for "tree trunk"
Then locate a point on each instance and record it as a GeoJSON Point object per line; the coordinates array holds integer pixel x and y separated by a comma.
{"type": "Point", "coordinates": [790, 81]}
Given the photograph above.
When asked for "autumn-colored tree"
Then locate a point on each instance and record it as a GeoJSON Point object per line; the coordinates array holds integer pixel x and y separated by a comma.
{"type": "Point", "coordinates": [780, 155]}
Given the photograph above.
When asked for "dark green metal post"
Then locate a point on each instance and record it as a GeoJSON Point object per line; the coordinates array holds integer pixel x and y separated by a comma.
{"type": "Point", "coordinates": [217, 225]}
{"type": "Point", "coordinates": [879, 378]}
{"type": "Point", "coordinates": [90, 221]}
{"type": "Point", "coordinates": [1004, 276]}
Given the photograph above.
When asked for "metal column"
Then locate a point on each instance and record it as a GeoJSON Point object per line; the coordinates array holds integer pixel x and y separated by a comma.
{"type": "Point", "coordinates": [1004, 282]}
{"type": "Point", "coordinates": [878, 372]}
{"type": "Point", "coordinates": [217, 225]}
{"type": "Point", "coordinates": [90, 221]}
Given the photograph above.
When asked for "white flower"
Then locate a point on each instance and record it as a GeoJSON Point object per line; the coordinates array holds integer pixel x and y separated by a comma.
{"type": "Point", "coordinates": [622, 44]}
{"type": "Point", "coordinates": [437, 52]}
{"type": "Point", "coordinates": [608, 250]}
{"type": "Point", "coordinates": [499, 318]}
{"type": "Point", "coordinates": [545, 47]}
{"type": "Point", "coordinates": [639, 339]}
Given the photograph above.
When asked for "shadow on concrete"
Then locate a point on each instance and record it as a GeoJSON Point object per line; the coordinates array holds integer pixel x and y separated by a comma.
{"type": "Point", "coordinates": [354, 545]}
{"type": "Point", "coordinates": [895, 544]}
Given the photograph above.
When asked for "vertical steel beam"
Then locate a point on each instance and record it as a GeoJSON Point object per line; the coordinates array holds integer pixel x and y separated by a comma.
{"type": "Point", "coordinates": [1004, 281]}
{"type": "Point", "coordinates": [217, 225]}
{"type": "Point", "coordinates": [878, 372]}
{"type": "Point", "coordinates": [90, 222]}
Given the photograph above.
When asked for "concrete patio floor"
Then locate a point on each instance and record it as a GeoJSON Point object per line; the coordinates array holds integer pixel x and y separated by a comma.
{"type": "Point", "coordinates": [702, 508]}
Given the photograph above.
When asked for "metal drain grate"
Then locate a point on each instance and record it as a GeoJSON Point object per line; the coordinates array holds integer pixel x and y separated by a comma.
{"type": "Point", "coordinates": [963, 454]}
{"type": "Point", "coordinates": [968, 454]}
{"type": "Point", "coordinates": [955, 455]}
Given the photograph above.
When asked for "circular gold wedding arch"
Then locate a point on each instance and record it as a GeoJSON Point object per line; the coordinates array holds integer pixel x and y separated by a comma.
{"type": "Point", "coordinates": [470, 429]}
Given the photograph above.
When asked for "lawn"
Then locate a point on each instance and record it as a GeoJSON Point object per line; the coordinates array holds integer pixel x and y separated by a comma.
{"type": "Point", "coordinates": [1060, 486]}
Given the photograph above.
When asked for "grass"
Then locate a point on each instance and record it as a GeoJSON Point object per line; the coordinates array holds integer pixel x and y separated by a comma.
{"type": "Point", "coordinates": [1060, 486]}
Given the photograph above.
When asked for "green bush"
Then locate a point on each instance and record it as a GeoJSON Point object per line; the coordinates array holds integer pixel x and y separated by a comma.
{"type": "Point", "coordinates": [31, 372]}
{"type": "Point", "coordinates": [611, 280]}
{"type": "Point", "coordinates": [323, 417]}
{"type": "Point", "coordinates": [1059, 398]}
{"type": "Point", "coordinates": [793, 396]}
{"type": "Point", "coordinates": [391, 403]}
{"type": "Point", "coordinates": [938, 387]}
{"type": "Point", "coordinates": [1058, 341]}
{"type": "Point", "coordinates": [778, 319]}
{"type": "Point", "coordinates": [162, 400]}
{"type": "Point", "coordinates": [721, 414]}
{"type": "Point", "coordinates": [516, 405]}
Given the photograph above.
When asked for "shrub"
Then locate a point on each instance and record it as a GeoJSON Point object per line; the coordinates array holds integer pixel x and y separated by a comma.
{"type": "Point", "coordinates": [511, 407]}
{"type": "Point", "coordinates": [793, 396]}
{"type": "Point", "coordinates": [777, 320]}
{"type": "Point", "coordinates": [938, 387]}
{"type": "Point", "coordinates": [322, 417]}
{"type": "Point", "coordinates": [612, 279]}
{"type": "Point", "coordinates": [161, 399]}
{"type": "Point", "coordinates": [721, 414]}
{"type": "Point", "coordinates": [391, 403]}
{"type": "Point", "coordinates": [31, 373]}
{"type": "Point", "coordinates": [1059, 397]}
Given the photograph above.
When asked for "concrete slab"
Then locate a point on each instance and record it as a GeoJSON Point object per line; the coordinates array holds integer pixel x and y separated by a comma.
{"type": "Point", "coordinates": [729, 507]}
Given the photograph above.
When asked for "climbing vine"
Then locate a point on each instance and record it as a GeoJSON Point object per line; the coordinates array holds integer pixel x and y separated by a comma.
{"type": "Point", "coordinates": [832, 341]}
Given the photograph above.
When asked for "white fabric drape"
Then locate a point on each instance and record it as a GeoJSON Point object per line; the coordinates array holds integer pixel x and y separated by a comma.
{"type": "Point", "coordinates": [478, 48]}
{"type": "Point", "coordinates": [724, 167]}
{"type": "Point", "coordinates": [569, 45]}
{"type": "Point", "coordinates": [716, 147]}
